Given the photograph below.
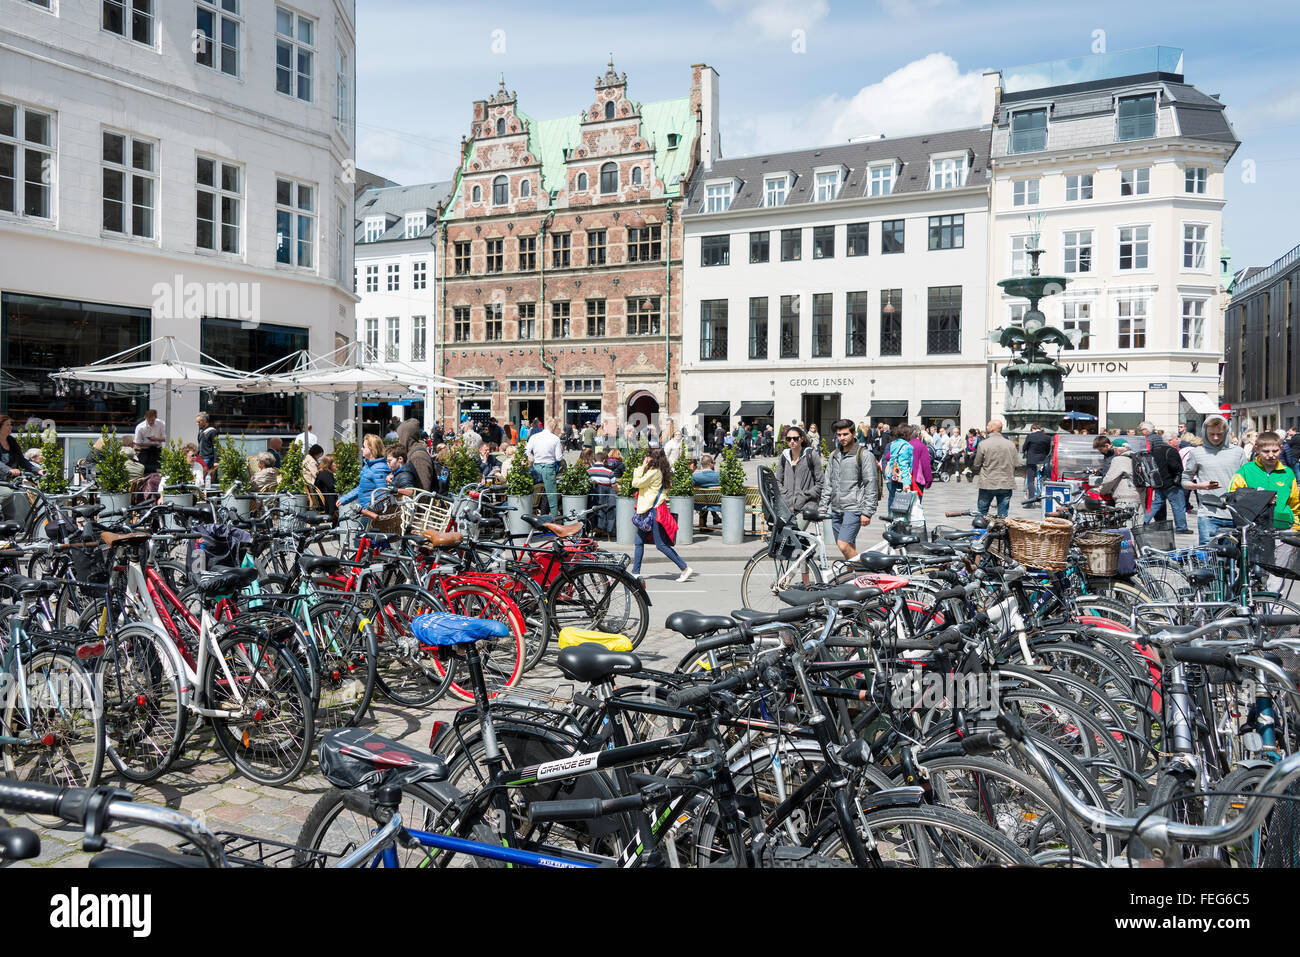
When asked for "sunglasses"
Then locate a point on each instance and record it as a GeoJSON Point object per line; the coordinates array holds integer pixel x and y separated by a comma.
{"type": "Point", "coordinates": [793, 438]}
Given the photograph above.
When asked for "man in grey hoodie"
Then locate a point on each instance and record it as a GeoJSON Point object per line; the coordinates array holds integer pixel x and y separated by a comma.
{"type": "Point", "coordinates": [850, 489]}
{"type": "Point", "coordinates": [1210, 468]}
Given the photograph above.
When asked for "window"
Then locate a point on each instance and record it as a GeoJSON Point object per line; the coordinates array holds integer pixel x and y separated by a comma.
{"type": "Point", "coordinates": [295, 38]}
{"type": "Point", "coordinates": [26, 160]}
{"type": "Point", "coordinates": [219, 191]}
{"type": "Point", "coordinates": [295, 223]}
{"type": "Point", "coordinates": [827, 186]}
{"type": "Point", "coordinates": [138, 26]}
{"type": "Point", "coordinates": [1195, 243]}
{"type": "Point", "coordinates": [609, 109]}
{"type": "Point", "coordinates": [496, 260]}
{"type": "Point", "coordinates": [823, 242]}
{"type": "Point", "coordinates": [129, 184]}
{"type": "Point", "coordinates": [414, 224]}
{"type": "Point", "coordinates": [216, 35]}
{"type": "Point", "coordinates": [880, 181]}
{"type": "Point", "coordinates": [1078, 250]}
{"type": "Point", "coordinates": [342, 88]}
{"type": "Point", "coordinates": [460, 258]}
{"type": "Point", "coordinates": [583, 385]}
{"type": "Point", "coordinates": [460, 324]}
{"type": "Point", "coordinates": [419, 274]}
{"type": "Point", "coordinates": [1132, 316]}
{"type": "Point", "coordinates": [821, 331]}
{"type": "Point", "coordinates": [596, 247]}
{"type": "Point", "coordinates": [1194, 179]}
{"type": "Point", "coordinates": [948, 172]}
{"type": "Point", "coordinates": [527, 385]}
{"type": "Point", "coordinates": [948, 232]}
{"type": "Point", "coordinates": [857, 239]}
{"type": "Point", "coordinates": [717, 198]}
{"type": "Point", "coordinates": [643, 316]}
{"type": "Point", "coordinates": [341, 222]}
{"type": "Point", "coordinates": [1024, 192]}
{"type": "Point", "coordinates": [1135, 182]}
{"type": "Point", "coordinates": [1194, 324]}
{"type": "Point", "coordinates": [775, 189]}
{"type": "Point", "coordinates": [394, 277]}
{"type": "Point", "coordinates": [715, 250]}
{"type": "Point", "coordinates": [492, 323]}
{"type": "Point", "coordinates": [1078, 186]}
{"type": "Point", "coordinates": [609, 178]}
{"type": "Point", "coordinates": [419, 338]}
{"type": "Point", "coordinates": [500, 191]}
{"type": "Point", "coordinates": [559, 320]}
{"type": "Point", "coordinates": [643, 245]}
{"type": "Point", "coordinates": [713, 329]}
{"type": "Point", "coordinates": [527, 319]}
{"type": "Point", "coordinates": [595, 317]}
{"type": "Point", "coordinates": [891, 236]}
{"type": "Point", "coordinates": [372, 338]}
{"type": "Point", "coordinates": [760, 245]}
{"type": "Point", "coordinates": [791, 245]}
{"type": "Point", "coordinates": [943, 330]}
{"type": "Point", "coordinates": [561, 244]}
{"type": "Point", "coordinates": [1136, 119]}
{"type": "Point", "coordinates": [372, 279]}
{"type": "Point", "coordinates": [1029, 131]}
{"type": "Point", "coordinates": [376, 226]}
{"type": "Point", "coordinates": [789, 327]}
{"type": "Point", "coordinates": [1133, 246]}
{"type": "Point", "coordinates": [582, 183]}
{"type": "Point", "coordinates": [856, 305]}
{"type": "Point", "coordinates": [354, 279]}
{"type": "Point", "coordinates": [501, 126]}
{"type": "Point", "coordinates": [477, 194]}
{"type": "Point", "coordinates": [1078, 315]}
{"type": "Point", "coordinates": [758, 327]}
{"type": "Point", "coordinates": [40, 3]}
{"type": "Point", "coordinates": [393, 342]}
{"type": "Point", "coordinates": [527, 253]}
{"type": "Point", "coordinates": [1020, 254]}
{"type": "Point", "coordinates": [525, 189]}
{"type": "Point", "coordinates": [891, 322]}
{"type": "Point", "coordinates": [636, 175]}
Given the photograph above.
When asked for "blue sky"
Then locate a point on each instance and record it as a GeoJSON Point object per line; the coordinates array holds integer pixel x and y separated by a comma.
{"type": "Point", "coordinates": [867, 67]}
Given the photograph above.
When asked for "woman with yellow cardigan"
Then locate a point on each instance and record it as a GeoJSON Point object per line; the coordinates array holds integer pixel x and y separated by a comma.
{"type": "Point", "coordinates": [650, 480]}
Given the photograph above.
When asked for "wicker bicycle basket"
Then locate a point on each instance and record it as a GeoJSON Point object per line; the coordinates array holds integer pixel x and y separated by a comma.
{"type": "Point", "coordinates": [1100, 552]}
{"type": "Point", "coordinates": [1044, 544]}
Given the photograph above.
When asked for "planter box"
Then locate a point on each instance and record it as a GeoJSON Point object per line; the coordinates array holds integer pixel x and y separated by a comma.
{"type": "Point", "coordinates": [241, 505]}
{"type": "Point", "coordinates": [733, 519]}
{"type": "Point", "coordinates": [177, 498]}
{"type": "Point", "coordinates": [626, 531]}
{"type": "Point", "coordinates": [523, 505]}
{"type": "Point", "coordinates": [115, 501]}
{"type": "Point", "coordinates": [683, 506]}
{"type": "Point", "coordinates": [570, 505]}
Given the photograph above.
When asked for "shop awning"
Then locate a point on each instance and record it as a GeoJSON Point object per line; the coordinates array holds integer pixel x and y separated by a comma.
{"type": "Point", "coordinates": [940, 409]}
{"type": "Point", "coordinates": [888, 409]}
{"type": "Point", "coordinates": [713, 408]}
{"type": "Point", "coordinates": [759, 409]}
{"type": "Point", "coordinates": [1202, 403]}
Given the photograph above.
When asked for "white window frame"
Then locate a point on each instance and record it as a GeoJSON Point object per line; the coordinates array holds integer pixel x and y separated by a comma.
{"type": "Point", "coordinates": [1069, 322]}
{"type": "Point", "coordinates": [372, 277]}
{"type": "Point", "coordinates": [129, 174]}
{"type": "Point", "coordinates": [1019, 257]}
{"type": "Point", "coordinates": [302, 215]}
{"type": "Point", "coordinates": [1191, 242]}
{"type": "Point", "coordinates": [1078, 247]}
{"type": "Point", "coordinates": [219, 195]}
{"type": "Point", "coordinates": [420, 274]}
{"type": "Point", "coordinates": [372, 338]}
{"type": "Point", "coordinates": [949, 170]}
{"type": "Point", "coordinates": [129, 9]}
{"type": "Point", "coordinates": [718, 196]}
{"type": "Point", "coordinates": [1079, 187]}
{"type": "Point", "coordinates": [393, 282]}
{"type": "Point", "coordinates": [1046, 110]}
{"type": "Point", "coordinates": [1200, 180]}
{"type": "Point", "coordinates": [1135, 318]}
{"type": "Point", "coordinates": [1119, 239]}
{"type": "Point", "coordinates": [419, 219]}
{"type": "Point", "coordinates": [21, 146]}
{"type": "Point", "coordinates": [827, 181]}
{"type": "Point", "coordinates": [298, 47]}
{"type": "Point", "coordinates": [340, 242]}
{"type": "Point", "coordinates": [376, 226]}
{"type": "Point", "coordinates": [881, 175]}
{"type": "Point", "coordinates": [1020, 191]}
{"type": "Point", "coordinates": [1144, 181]}
{"type": "Point", "coordinates": [419, 338]}
{"type": "Point", "coordinates": [1199, 317]}
{"type": "Point", "coordinates": [342, 90]}
{"type": "Point", "coordinates": [221, 11]}
{"type": "Point", "coordinates": [772, 185]}
{"type": "Point", "coordinates": [393, 339]}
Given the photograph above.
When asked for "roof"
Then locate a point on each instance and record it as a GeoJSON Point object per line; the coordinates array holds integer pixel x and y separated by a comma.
{"type": "Point", "coordinates": [913, 151]}
{"type": "Point", "coordinates": [366, 179]}
{"type": "Point", "coordinates": [397, 201]}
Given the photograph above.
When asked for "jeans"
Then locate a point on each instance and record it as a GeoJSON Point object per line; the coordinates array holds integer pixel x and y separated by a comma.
{"type": "Point", "coordinates": [546, 475]}
{"type": "Point", "coordinates": [1034, 479]}
{"type": "Point", "coordinates": [988, 495]}
{"type": "Point", "coordinates": [661, 543]}
{"type": "Point", "coordinates": [1177, 499]}
{"type": "Point", "coordinates": [1208, 525]}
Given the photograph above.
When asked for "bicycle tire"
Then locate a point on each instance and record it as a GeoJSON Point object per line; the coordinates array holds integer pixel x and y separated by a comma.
{"type": "Point", "coordinates": [925, 837]}
{"type": "Point", "coordinates": [1253, 850]}
{"type": "Point", "coordinates": [62, 725]}
{"type": "Point", "coordinates": [601, 598]}
{"type": "Point", "coordinates": [138, 686]}
{"type": "Point", "coordinates": [762, 572]}
{"type": "Point", "coordinates": [348, 653]}
{"type": "Point", "coordinates": [502, 659]}
{"type": "Point", "coordinates": [405, 671]}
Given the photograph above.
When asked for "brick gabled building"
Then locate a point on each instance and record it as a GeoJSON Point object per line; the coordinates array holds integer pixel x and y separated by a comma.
{"type": "Point", "coordinates": [561, 255]}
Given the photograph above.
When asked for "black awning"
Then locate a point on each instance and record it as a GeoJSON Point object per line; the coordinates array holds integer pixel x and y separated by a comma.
{"type": "Point", "coordinates": [713, 408]}
{"type": "Point", "coordinates": [940, 409]}
{"type": "Point", "coordinates": [887, 409]}
{"type": "Point", "coordinates": [760, 409]}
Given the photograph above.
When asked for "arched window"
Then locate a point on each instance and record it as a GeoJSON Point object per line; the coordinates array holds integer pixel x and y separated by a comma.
{"type": "Point", "coordinates": [525, 189]}
{"type": "Point", "coordinates": [478, 194]}
{"type": "Point", "coordinates": [609, 109]}
{"type": "Point", "coordinates": [582, 182]}
{"type": "Point", "coordinates": [636, 175]}
{"type": "Point", "coordinates": [501, 127]}
{"type": "Point", "coordinates": [609, 178]}
{"type": "Point", "coordinates": [500, 191]}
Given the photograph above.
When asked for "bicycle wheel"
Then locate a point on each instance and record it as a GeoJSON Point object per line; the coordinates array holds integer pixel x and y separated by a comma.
{"type": "Point", "coordinates": [758, 583]}
{"type": "Point", "coordinates": [138, 687]}
{"type": "Point", "coordinates": [502, 658]}
{"type": "Point", "coordinates": [1273, 843]}
{"type": "Point", "coordinates": [531, 600]}
{"type": "Point", "coordinates": [52, 712]}
{"type": "Point", "coordinates": [269, 737]}
{"type": "Point", "coordinates": [345, 644]}
{"type": "Point", "coordinates": [599, 597]}
{"type": "Point", "coordinates": [923, 837]}
{"type": "Point", "coordinates": [406, 670]}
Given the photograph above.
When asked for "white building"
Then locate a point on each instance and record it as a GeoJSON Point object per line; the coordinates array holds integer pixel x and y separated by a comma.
{"type": "Point", "coordinates": [396, 278]}
{"type": "Point", "coordinates": [158, 179]}
{"type": "Point", "coordinates": [846, 281]}
{"type": "Point", "coordinates": [1116, 164]}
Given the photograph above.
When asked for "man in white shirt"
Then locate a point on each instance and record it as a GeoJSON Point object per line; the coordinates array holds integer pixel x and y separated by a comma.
{"type": "Point", "coordinates": [150, 437]}
{"type": "Point", "coordinates": [544, 452]}
{"type": "Point", "coordinates": [306, 438]}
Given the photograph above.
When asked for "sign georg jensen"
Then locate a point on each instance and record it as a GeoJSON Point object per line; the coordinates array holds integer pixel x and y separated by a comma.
{"type": "Point", "coordinates": [816, 383]}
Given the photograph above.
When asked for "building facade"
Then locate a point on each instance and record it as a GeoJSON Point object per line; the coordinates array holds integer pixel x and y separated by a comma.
{"type": "Point", "coordinates": [1114, 165]}
{"type": "Point", "coordinates": [161, 180]}
{"type": "Point", "coordinates": [846, 281]}
{"type": "Point", "coordinates": [560, 255]}
{"type": "Point", "coordinates": [1261, 375]}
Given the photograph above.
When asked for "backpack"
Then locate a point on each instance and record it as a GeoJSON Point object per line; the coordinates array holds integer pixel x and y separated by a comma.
{"type": "Point", "coordinates": [1146, 471]}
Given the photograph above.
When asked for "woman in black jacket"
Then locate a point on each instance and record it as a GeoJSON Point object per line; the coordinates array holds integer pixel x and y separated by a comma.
{"type": "Point", "coordinates": [12, 466]}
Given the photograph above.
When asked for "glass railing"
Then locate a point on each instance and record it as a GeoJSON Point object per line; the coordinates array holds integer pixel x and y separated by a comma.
{"type": "Point", "coordinates": [1100, 66]}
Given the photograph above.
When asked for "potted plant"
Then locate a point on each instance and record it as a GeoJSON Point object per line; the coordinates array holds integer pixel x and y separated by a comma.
{"type": "Point", "coordinates": [625, 507]}
{"type": "Point", "coordinates": [519, 491]}
{"type": "Point", "coordinates": [232, 468]}
{"type": "Point", "coordinates": [681, 499]}
{"type": "Point", "coordinates": [293, 487]}
{"type": "Point", "coordinates": [731, 479]}
{"type": "Point", "coordinates": [347, 466]}
{"type": "Point", "coordinates": [574, 486]}
{"type": "Point", "coordinates": [110, 474]}
{"type": "Point", "coordinates": [176, 474]}
{"type": "Point", "coordinates": [53, 482]}
{"type": "Point", "coordinates": [462, 468]}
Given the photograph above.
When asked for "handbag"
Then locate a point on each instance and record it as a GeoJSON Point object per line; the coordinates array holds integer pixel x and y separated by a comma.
{"type": "Point", "coordinates": [665, 517]}
{"type": "Point", "coordinates": [643, 521]}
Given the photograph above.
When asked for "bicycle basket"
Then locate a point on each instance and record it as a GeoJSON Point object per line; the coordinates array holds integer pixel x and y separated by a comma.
{"type": "Point", "coordinates": [1272, 555]}
{"type": "Point", "coordinates": [1100, 553]}
{"type": "Point", "coordinates": [388, 517]}
{"type": "Point", "coordinates": [1159, 535]}
{"type": "Point", "coordinates": [1044, 544]}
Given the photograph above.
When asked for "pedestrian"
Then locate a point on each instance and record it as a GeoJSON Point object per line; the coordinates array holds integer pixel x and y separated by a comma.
{"type": "Point", "coordinates": [706, 476]}
{"type": "Point", "coordinates": [206, 442]}
{"type": "Point", "coordinates": [922, 473]}
{"type": "Point", "coordinates": [150, 437]}
{"type": "Point", "coordinates": [306, 438]}
{"type": "Point", "coordinates": [897, 467]}
{"type": "Point", "coordinates": [523, 430]}
{"type": "Point", "coordinates": [494, 432]}
{"type": "Point", "coordinates": [670, 441]}
{"type": "Point", "coordinates": [1211, 468]}
{"type": "Point", "coordinates": [651, 480]}
{"type": "Point", "coordinates": [1038, 454]}
{"type": "Point", "coordinates": [973, 439]}
{"type": "Point", "coordinates": [1170, 491]}
{"type": "Point", "coordinates": [14, 465]}
{"type": "Point", "coordinates": [372, 487]}
{"type": "Point", "coordinates": [418, 459]}
{"type": "Point", "coordinates": [589, 435]}
{"type": "Point", "coordinates": [469, 437]}
{"type": "Point", "coordinates": [850, 488]}
{"type": "Point", "coordinates": [1266, 471]}
{"type": "Point", "coordinates": [545, 453]}
{"type": "Point", "coordinates": [1117, 472]}
{"type": "Point", "coordinates": [266, 477]}
{"type": "Point", "coordinates": [274, 445]}
{"type": "Point", "coordinates": [799, 474]}
{"type": "Point", "coordinates": [617, 464]}
{"type": "Point", "coordinates": [995, 464]}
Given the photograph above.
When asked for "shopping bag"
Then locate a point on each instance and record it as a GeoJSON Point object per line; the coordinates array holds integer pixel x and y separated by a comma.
{"type": "Point", "coordinates": [668, 520]}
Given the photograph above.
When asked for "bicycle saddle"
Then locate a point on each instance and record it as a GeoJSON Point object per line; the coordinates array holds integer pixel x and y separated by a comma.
{"type": "Point", "coordinates": [9, 529]}
{"type": "Point", "coordinates": [442, 539]}
{"type": "Point", "coordinates": [354, 757]}
{"type": "Point", "coordinates": [538, 522]}
{"type": "Point", "coordinates": [876, 562]}
{"type": "Point", "coordinates": [899, 539]}
{"type": "Point", "coordinates": [224, 580]}
{"type": "Point", "coordinates": [563, 531]}
{"type": "Point", "coordinates": [692, 624]}
{"type": "Point", "coordinates": [1203, 576]}
{"type": "Point", "coordinates": [123, 538]}
{"type": "Point", "coordinates": [324, 563]}
{"type": "Point", "coordinates": [937, 548]}
{"type": "Point", "coordinates": [445, 629]}
{"type": "Point", "coordinates": [848, 592]}
{"type": "Point", "coordinates": [593, 663]}
{"type": "Point", "coordinates": [26, 587]}
{"type": "Point", "coordinates": [86, 511]}
{"type": "Point", "coordinates": [311, 518]}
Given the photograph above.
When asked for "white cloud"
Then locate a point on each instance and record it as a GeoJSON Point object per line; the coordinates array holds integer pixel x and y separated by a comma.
{"type": "Point", "coordinates": [908, 8]}
{"type": "Point", "coordinates": [777, 18]}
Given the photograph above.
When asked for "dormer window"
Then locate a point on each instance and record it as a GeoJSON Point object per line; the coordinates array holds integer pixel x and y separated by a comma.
{"type": "Point", "coordinates": [880, 179]}
{"type": "Point", "coordinates": [609, 109]}
{"type": "Point", "coordinates": [717, 196]}
{"type": "Point", "coordinates": [414, 224]}
{"type": "Point", "coordinates": [948, 172]}
{"type": "Point", "coordinates": [672, 141]}
{"type": "Point", "coordinates": [1136, 117]}
{"type": "Point", "coordinates": [776, 189]}
{"type": "Point", "coordinates": [376, 226]}
{"type": "Point", "coordinates": [1029, 131]}
{"type": "Point", "coordinates": [501, 127]}
{"type": "Point", "coordinates": [827, 185]}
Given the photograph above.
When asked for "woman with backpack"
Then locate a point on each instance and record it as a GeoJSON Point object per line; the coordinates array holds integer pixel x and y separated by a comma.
{"type": "Point", "coordinates": [897, 467]}
{"type": "Point", "coordinates": [651, 480]}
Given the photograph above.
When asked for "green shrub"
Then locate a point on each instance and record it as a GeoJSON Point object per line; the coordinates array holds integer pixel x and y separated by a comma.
{"type": "Point", "coordinates": [731, 477]}
{"type": "Point", "coordinates": [30, 438]}
{"type": "Point", "coordinates": [347, 466]}
{"type": "Point", "coordinates": [462, 468]}
{"type": "Point", "coordinates": [574, 481]}
{"type": "Point", "coordinates": [176, 471]}
{"type": "Point", "coordinates": [291, 480]}
{"type": "Point", "coordinates": [110, 470]}
{"type": "Point", "coordinates": [682, 485]}
{"type": "Point", "coordinates": [232, 462]}
{"type": "Point", "coordinates": [519, 480]}
{"type": "Point", "coordinates": [635, 456]}
{"type": "Point", "coordinates": [53, 481]}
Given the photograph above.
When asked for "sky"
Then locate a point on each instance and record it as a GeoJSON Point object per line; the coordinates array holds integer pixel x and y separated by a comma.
{"type": "Point", "coordinates": [800, 73]}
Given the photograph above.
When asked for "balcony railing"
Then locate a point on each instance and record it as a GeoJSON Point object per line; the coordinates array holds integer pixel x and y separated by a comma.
{"type": "Point", "coordinates": [1272, 272]}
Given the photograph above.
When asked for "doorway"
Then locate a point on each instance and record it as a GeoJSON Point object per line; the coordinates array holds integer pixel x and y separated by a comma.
{"type": "Point", "coordinates": [642, 410]}
{"type": "Point", "coordinates": [527, 409]}
{"type": "Point", "coordinates": [821, 410]}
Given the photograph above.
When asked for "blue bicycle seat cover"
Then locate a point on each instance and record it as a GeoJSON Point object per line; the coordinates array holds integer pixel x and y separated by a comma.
{"type": "Point", "coordinates": [444, 628]}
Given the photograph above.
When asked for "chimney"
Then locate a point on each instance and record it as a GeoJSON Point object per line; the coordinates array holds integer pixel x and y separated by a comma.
{"type": "Point", "coordinates": [990, 96]}
{"type": "Point", "coordinates": [704, 99]}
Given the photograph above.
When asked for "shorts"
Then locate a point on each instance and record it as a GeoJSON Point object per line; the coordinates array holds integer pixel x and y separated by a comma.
{"type": "Point", "coordinates": [846, 526]}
